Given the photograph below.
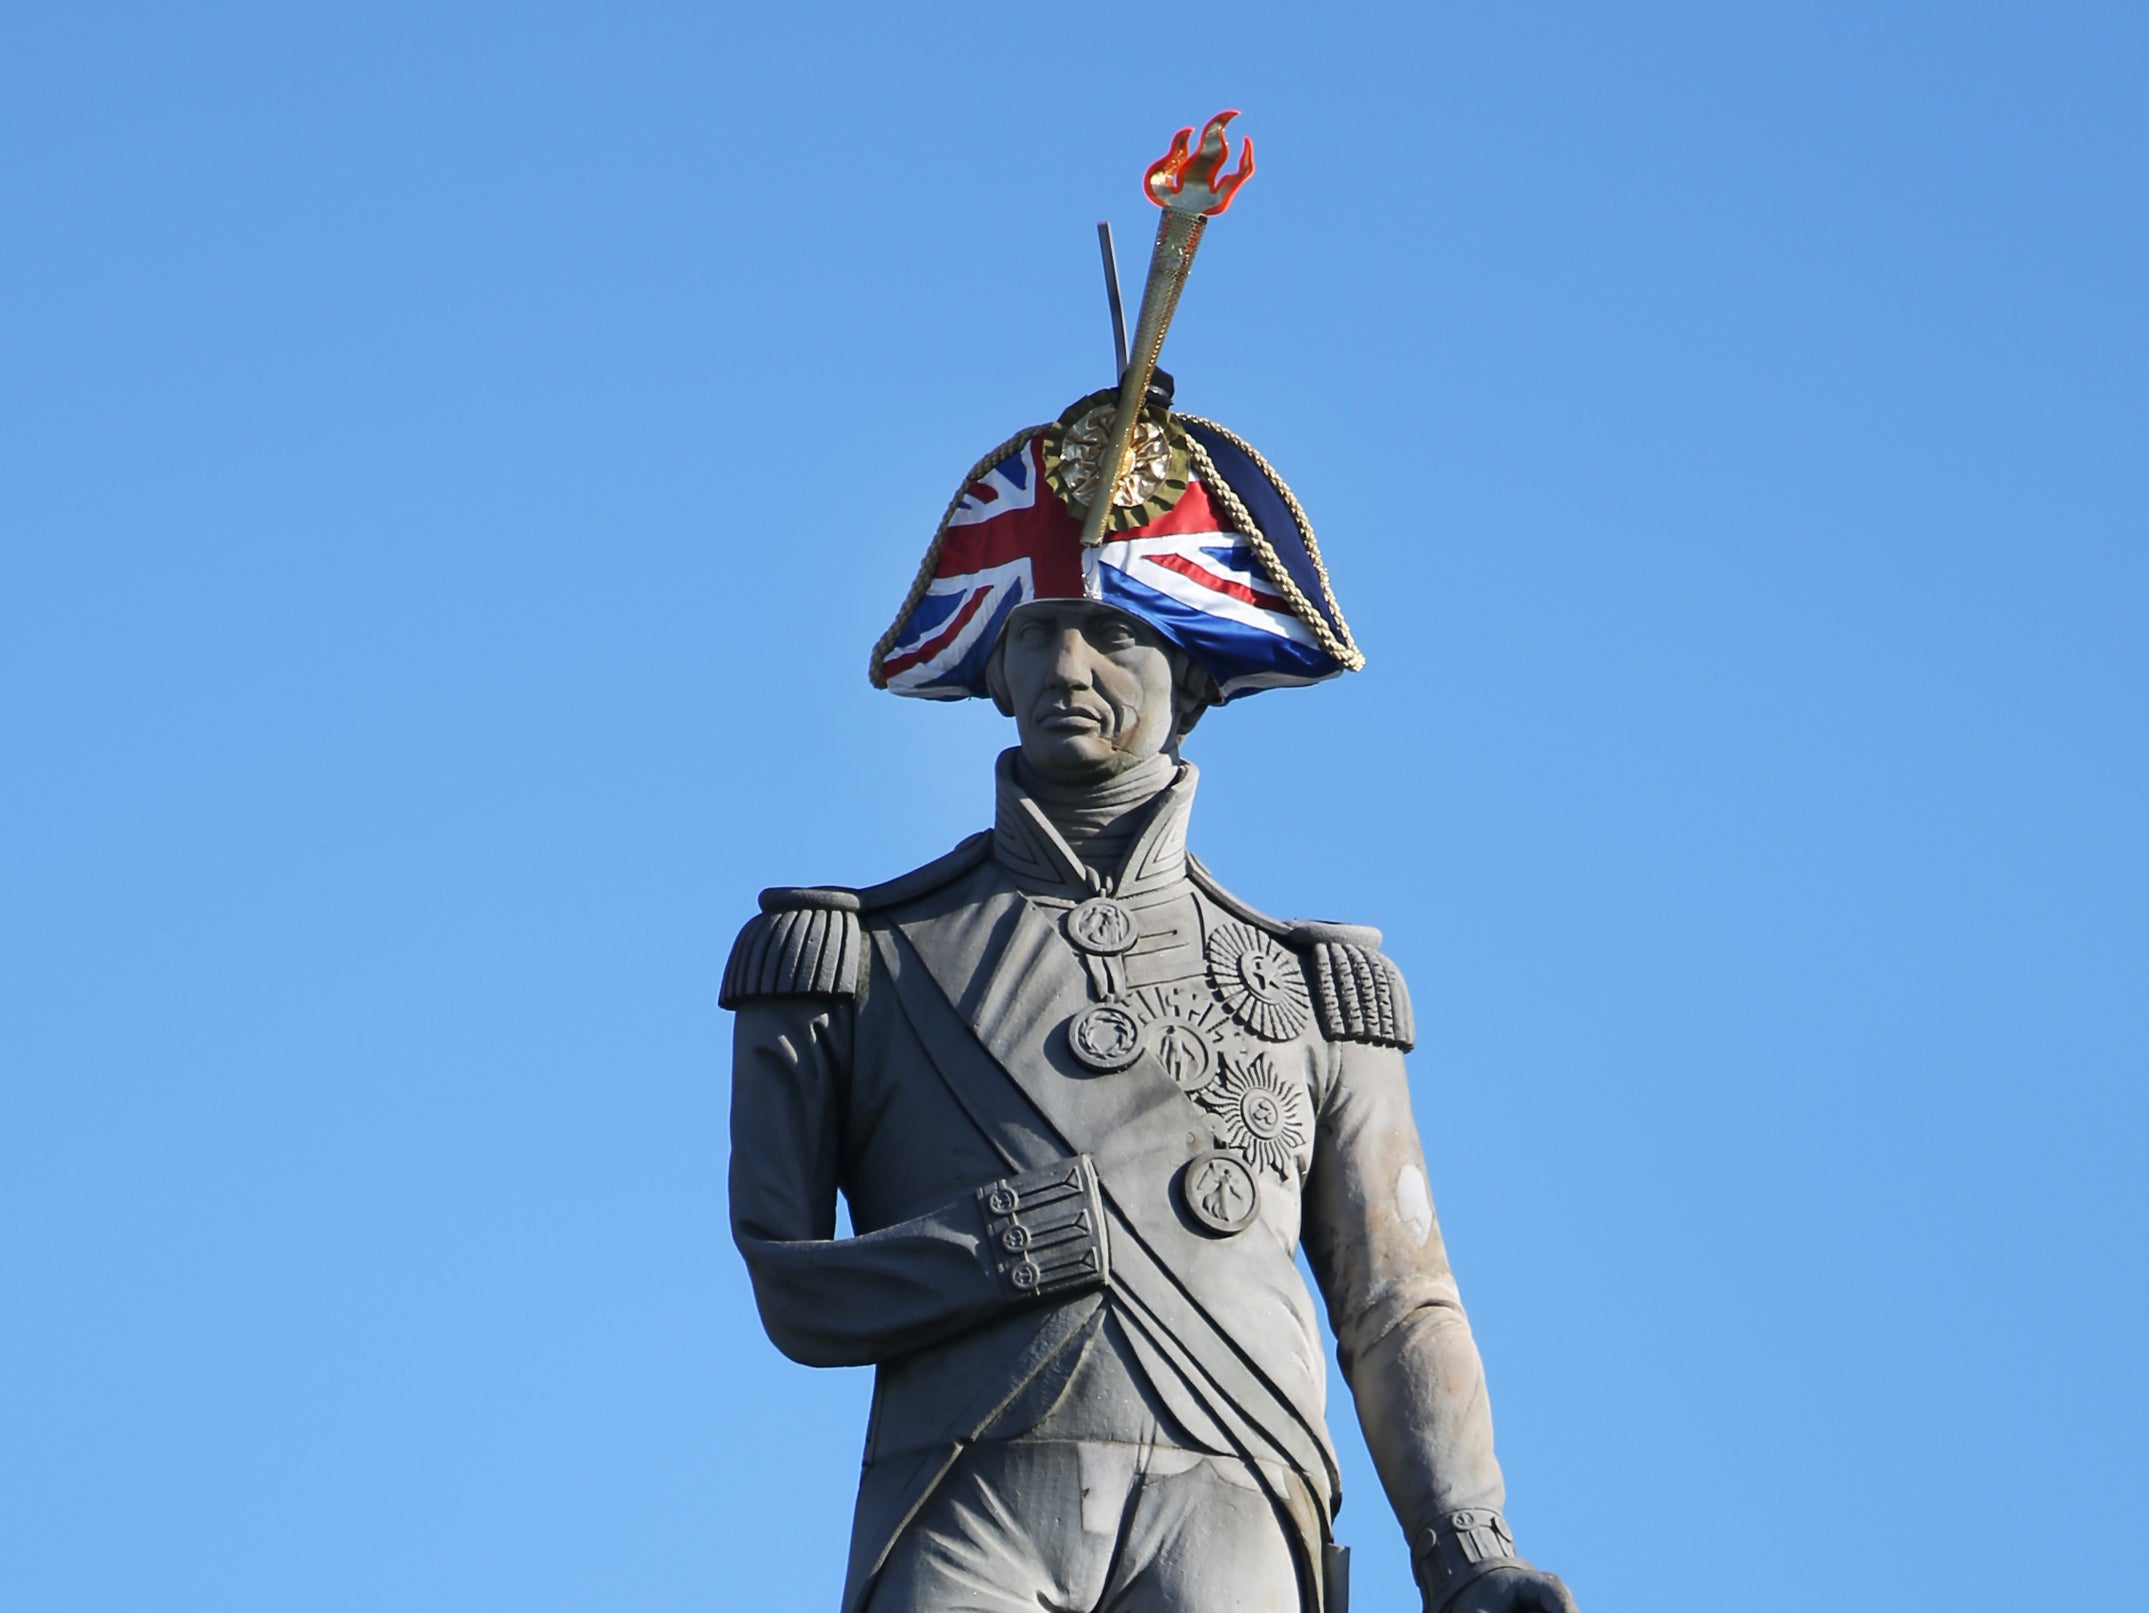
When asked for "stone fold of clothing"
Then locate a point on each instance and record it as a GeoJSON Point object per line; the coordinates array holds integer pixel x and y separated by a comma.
{"type": "Point", "coordinates": [1098, 822]}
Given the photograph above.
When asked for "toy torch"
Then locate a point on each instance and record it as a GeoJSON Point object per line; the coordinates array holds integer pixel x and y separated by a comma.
{"type": "Point", "coordinates": [1190, 184]}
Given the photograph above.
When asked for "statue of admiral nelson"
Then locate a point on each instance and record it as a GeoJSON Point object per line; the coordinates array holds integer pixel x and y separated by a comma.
{"type": "Point", "coordinates": [1086, 1105]}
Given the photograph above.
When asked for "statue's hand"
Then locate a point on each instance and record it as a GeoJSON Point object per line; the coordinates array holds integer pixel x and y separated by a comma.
{"type": "Point", "coordinates": [1513, 1590]}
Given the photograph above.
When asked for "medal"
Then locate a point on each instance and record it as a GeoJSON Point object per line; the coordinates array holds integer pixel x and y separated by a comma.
{"type": "Point", "coordinates": [1184, 1030]}
{"type": "Point", "coordinates": [1102, 927]}
{"type": "Point", "coordinates": [1184, 1056]}
{"type": "Point", "coordinates": [1105, 1037]}
{"type": "Point", "coordinates": [1220, 1192]}
{"type": "Point", "coordinates": [1260, 1116]}
{"type": "Point", "coordinates": [1258, 982]}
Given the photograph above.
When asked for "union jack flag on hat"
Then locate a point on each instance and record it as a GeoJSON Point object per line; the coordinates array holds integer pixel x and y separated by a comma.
{"type": "Point", "coordinates": [1206, 545]}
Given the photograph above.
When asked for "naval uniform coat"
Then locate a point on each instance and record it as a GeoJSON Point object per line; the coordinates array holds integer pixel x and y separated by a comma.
{"type": "Point", "coordinates": [921, 1048]}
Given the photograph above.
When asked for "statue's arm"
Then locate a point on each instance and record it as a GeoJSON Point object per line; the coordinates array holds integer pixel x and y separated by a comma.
{"type": "Point", "coordinates": [1403, 1341]}
{"type": "Point", "coordinates": [838, 1302]}
{"type": "Point", "coordinates": [829, 1301]}
{"type": "Point", "coordinates": [1401, 1336]}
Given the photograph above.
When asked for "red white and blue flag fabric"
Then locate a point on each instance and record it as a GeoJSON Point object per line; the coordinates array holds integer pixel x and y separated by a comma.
{"type": "Point", "coordinates": [1186, 572]}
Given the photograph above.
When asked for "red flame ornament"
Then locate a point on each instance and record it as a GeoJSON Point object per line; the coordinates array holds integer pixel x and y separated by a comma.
{"type": "Point", "coordinates": [1190, 179]}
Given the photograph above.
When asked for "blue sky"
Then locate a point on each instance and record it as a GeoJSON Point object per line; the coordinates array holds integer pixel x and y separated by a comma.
{"type": "Point", "coordinates": [453, 464]}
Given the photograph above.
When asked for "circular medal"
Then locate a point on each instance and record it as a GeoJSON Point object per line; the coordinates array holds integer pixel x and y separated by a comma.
{"type": "Point", "coordinates": [1184, 1053]}
{"type": "Point", "coordinates": [1185, 1030]}
{"type": "Point", "coordinates": [1102, 925]}
{"type": "Point", "coordinates": [1106, 1037]}
{"type": "Point", "coordinates": [1258, 982]}
{"type": "Point", "coordinates": [1220, 1192]}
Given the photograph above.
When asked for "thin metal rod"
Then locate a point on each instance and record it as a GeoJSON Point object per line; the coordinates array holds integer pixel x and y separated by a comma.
{"type": "Point", "coordinates": [1111, 292]}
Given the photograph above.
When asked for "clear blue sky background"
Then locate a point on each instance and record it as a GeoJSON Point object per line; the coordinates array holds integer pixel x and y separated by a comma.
{"type": "Point", "coordinates": [454, 460]}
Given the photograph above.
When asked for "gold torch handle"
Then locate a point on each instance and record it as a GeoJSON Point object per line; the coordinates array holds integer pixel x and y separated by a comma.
{"type": "Point", "coordinates": [1178, 234]}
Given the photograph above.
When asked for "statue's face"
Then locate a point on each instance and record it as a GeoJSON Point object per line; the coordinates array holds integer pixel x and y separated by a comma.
{"type": "Point", "coordinates": [1090, 686]}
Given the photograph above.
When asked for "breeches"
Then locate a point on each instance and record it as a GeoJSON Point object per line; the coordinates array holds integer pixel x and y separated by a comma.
{"type": "Point", "coordinates": [1039, 1526]}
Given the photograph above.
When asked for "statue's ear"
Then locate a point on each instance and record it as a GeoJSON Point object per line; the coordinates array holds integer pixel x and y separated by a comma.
{"type": "Point", "coordinates": [996, 677]}
{"type": "Point", "coordinates": [1194, 691]}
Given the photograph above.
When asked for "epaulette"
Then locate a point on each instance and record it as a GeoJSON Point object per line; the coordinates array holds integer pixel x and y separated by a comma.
{"type": "Point", "coordinates": [803, 943]}
{"type": "Point", "coordinates": [809, 941]}
{"type": "Point", "coordinates": [1357, 990]}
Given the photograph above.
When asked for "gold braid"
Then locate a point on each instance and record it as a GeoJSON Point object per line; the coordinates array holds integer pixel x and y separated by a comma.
{"type": "Point", "coordinates": [924, 581]}
{"type": "Point", "coordinates": [1335, 640]}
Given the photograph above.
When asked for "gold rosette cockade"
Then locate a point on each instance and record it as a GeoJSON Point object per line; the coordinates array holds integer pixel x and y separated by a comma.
{"type": "Point", "coordinates": [1156, 470]}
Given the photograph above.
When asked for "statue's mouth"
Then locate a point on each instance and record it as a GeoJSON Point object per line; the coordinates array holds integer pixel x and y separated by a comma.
{"type": "Point", "coordinates": [1072, 720]}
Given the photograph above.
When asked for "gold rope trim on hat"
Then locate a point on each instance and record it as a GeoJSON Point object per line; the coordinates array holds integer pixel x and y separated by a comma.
{"type": "Point", "coordinates": [924, 581]}
{"type": "Point", "coordinates": [1335, 640]}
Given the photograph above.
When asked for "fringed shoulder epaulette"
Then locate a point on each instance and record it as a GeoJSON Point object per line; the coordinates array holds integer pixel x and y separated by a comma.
{"type": "Point", "coordinates": [803, 943]}
{"type": "Point", "coordinates": [1357, 989]}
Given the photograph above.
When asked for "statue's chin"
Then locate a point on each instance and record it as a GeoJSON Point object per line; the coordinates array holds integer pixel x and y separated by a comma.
{"type": "Point", "coordinates": [1076, 759]}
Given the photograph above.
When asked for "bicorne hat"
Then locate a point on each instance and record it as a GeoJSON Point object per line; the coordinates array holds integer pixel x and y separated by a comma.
{"type": "Point", "coordinates": [1204, 542]}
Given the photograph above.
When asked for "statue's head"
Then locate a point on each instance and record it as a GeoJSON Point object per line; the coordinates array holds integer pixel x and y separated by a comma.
{"type": "Point", "coordinates": [1093, 690]}
{"type": "Point", "coordinates": [1207, 585]}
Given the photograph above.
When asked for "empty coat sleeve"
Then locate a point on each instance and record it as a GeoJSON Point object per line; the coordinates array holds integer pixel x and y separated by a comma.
{"type": "Point", "coordinates": [829, 1301]}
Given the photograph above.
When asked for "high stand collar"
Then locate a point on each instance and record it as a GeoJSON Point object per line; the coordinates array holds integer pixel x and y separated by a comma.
{"type": "Point", "coordinates": [1030, 847]}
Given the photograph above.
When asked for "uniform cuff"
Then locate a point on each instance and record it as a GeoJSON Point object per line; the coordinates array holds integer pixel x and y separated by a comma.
{"type": "Point", "coordinates": [1457, 1548]}
{"type": "Point", "coordinates": [1044, 1230]}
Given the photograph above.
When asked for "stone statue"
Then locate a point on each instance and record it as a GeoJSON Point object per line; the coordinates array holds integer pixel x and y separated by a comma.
{"type": "Point", "coordinates": [1085, 1104]}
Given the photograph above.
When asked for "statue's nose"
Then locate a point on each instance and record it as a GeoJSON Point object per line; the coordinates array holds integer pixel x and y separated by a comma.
{"type": "Point", "coordinates": [1070, 661]}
